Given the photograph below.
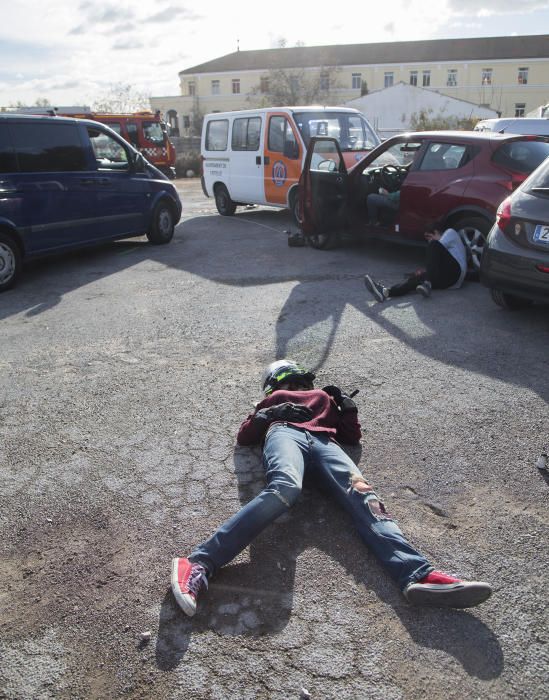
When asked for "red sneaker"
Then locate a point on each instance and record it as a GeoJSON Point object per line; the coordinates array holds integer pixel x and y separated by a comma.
{"type": "Point", "coordinates": [441, 589]}
{"type": "Point", "coordinates": [188, 579]}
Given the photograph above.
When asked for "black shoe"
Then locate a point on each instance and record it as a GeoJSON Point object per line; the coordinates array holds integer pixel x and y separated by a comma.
{"type": "Point", "coordinates": [377, 290]}
{"type": "Point", "coordinates": [424, 289]}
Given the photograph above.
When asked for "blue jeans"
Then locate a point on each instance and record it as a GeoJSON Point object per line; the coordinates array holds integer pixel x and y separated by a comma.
{"type": "Point", "coordinates": [287, 453]}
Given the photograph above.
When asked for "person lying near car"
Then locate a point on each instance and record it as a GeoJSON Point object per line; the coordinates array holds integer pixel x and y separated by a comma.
{"type": "Point", "coordinates": [300, 428]}
{"type": "Point", "coordinates": [445, 268]}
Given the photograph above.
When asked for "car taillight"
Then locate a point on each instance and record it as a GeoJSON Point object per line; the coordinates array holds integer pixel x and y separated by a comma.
{"type": "Point", "coordinates": [503, 215]}
{"type": "Point", "coordinates": [543, 268]}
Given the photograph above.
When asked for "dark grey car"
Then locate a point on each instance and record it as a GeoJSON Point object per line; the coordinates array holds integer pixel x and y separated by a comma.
{"type": "Point", "coordinates": [515, 261]}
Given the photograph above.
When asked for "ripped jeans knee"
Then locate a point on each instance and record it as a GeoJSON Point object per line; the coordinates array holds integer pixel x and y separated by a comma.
{"type": "Point", "coordinates": [360, 489]}
{"type": "Point", "coordinates": [286, 495]}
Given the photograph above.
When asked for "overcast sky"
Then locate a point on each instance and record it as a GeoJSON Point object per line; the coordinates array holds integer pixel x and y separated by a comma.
{"type": "Point", "coordinates": [72, 51]}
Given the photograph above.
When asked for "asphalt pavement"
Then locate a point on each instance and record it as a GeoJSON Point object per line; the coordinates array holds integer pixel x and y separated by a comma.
{"type": "Point", "coordinates": [125, 372]}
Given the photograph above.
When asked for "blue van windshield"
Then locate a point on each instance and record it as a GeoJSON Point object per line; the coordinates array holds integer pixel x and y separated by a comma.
{"type": "Point", "coordinates": [351, 130]}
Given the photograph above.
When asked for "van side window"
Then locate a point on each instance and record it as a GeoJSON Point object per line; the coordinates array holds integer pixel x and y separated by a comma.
{"type": "Point", "coordinates": [7, 155]}
{"type": "Point", "coordinates": [110, 154]}
{"type": "Point", "coordinates": [115, 126]}
{"type": "Point", "coordinates": [132, 133]}
{"type": "Point", "coordinates": [246, 134]}
{"type": "Point", "coordinates": [277, 128]}
{"type": "Point", "coordinates": [282, 138]}
{"type": "Point", "coordinates": [48, 147]}
{"type": "Point", "coordinates": [217, 135]}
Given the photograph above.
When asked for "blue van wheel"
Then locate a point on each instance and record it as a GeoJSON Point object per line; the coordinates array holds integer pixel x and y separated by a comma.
{"type": "Point", "coordinates": [162, 224]}
{"type": "Point", "coordinates": [10, 262]}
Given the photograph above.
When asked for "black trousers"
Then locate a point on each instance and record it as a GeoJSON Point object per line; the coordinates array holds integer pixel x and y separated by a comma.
{"type": "Point", "coordinates": [442, 271]}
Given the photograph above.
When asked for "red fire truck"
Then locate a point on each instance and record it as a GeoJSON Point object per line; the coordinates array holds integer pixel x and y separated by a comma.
{"type": "Point", "coordinates": [144, 130]}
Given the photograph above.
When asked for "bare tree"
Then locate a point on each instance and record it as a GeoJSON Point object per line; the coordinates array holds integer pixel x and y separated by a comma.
{"type": "Point", "coordinates": [425, 120]}
{"type": "Point", "coordinates": [295, 86]}
{"type": "Point", "coordinates": [121, 98]}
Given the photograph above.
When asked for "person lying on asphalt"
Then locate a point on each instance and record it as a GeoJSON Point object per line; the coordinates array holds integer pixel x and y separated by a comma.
{"type": "Point", "coordinates": [300, 428]}
{"type": "Point", "coordinates": [446, 266]}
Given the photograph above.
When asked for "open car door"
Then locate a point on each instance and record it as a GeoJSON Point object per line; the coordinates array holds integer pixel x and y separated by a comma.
{"type": "Point", "coordinates": [323, 193]}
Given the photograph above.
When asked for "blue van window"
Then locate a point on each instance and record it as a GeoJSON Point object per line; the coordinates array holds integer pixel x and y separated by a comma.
{"type": "Point", "coordinates": [48, 147]}
{"type": "Point", "coordinates": [7, 156]}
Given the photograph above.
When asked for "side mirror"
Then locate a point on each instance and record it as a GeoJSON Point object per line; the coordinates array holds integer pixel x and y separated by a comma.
{"type": "Point", "coordinates": [291, 150]}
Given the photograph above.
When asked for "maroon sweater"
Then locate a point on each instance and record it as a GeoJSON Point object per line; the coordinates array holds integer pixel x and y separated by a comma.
{"type": "Point", "coordinates": [327, 418]}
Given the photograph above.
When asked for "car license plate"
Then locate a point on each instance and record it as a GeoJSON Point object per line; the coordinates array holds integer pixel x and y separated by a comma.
{"type": "Point", "coordinates": [541, 234]}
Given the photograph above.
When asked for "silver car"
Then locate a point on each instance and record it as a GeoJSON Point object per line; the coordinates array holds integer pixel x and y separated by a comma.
{"type": "Point", "coordinates": [515, 260]}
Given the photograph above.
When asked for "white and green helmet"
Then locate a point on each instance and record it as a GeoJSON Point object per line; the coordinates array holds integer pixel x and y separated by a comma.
{"type": "Point", "coordinates": [283, 371]}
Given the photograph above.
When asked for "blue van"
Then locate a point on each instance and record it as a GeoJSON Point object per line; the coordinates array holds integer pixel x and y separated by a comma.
{"type": "Point", "coordinates": [69, 183]}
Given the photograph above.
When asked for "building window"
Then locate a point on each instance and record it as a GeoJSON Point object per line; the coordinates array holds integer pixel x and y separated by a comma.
{"type": "Point", "coordinates": [171, 118]}
{"type": "Point", "coordinates": [264, 85]}
{"type": "Point", "coordinates": [324, 81]}
{"type": "Point", "coordinates": [192, 88]}
{"type": "Point", "coordinates": [486, 76]}
{"type": "Point", "coordinates": [236, 86]}
{"type": "Point", "coordinates": [452, 79]}
{"type": "Point", "coordinates": [215, 87]}
{"type": "Point", "coordinates": [413, 77]}
{"type": "Point", "coordinates": [356, 81]}
{"type": "Point", "coordinates": [426, 78]}
{"type": "Point", "coordinates": [389, 79]}
{"type": "Point", "coordinates": [520, 109]}
{"type": "Point", "coordinates": [523, 76]}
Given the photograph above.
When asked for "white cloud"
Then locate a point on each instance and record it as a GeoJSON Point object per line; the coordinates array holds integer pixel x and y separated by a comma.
{"type": "Point", "coordinates": [98, 42]}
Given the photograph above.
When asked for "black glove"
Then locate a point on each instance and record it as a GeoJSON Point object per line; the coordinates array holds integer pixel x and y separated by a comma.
{"type": "Point", "coordinates": [285, 411]}
{"type": "Point", "coordinates": [344, 402]}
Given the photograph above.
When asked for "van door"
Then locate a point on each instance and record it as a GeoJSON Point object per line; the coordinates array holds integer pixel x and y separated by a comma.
{"type": "Point", "coordinates": [246, 170]}
{"type": "Point", "coordinates": [122, 197]}
{"type": "Point", "coordinates": [282, 158]}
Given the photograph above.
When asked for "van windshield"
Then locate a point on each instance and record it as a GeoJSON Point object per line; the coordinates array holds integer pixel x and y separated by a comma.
{"type": "Point", "coordinates": [153, 132]}
{"type": "Point", "coordinates": [351, 130]}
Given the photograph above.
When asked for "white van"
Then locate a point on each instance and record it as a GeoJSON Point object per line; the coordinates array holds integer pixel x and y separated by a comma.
{"type": "Point", "coordinates": [256, 156]}
{"type": "Point", "coordinates": [519, 125]}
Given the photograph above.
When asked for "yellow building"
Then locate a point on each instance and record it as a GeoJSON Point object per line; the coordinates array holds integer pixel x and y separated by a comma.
{"type": "Point", "coordinates": [508, 74]}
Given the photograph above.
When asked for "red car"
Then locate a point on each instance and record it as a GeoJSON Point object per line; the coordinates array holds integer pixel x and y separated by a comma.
{"type": "Point", "coordinates": [443, 179]}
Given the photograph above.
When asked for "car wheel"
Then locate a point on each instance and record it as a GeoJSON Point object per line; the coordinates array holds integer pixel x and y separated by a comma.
{"type": "Point", "coordinates": [223, 202]}
{"type": "Point", "coordinates": [10, 262]}
{"type": "Point", "coordinates": [162, 224]}
{"type": "Point", "coordinates": [473, 231]}
{"type": "Point", "coordinates": [323, 241]}
{"type": "Point", "coordinates": [509, 301]}
{"type": "Point", "coordinates": [295, 207]}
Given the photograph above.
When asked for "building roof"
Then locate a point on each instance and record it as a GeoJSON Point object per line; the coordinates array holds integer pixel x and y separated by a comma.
{"type": "Point", "coordinates": [477, 49]}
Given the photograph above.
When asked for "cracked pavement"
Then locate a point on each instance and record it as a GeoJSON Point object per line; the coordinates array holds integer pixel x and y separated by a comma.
{"type": "Point", "coordinates": [125, 373]}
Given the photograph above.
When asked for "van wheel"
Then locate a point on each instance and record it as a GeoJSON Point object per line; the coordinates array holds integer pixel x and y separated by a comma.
{"type": "Point", "coordinates": [473, 231]}
{"type": "Point", "coordinates": [323, 241]}
{"type": "Point", "coordinates": [509, 301]}
{"type": "Point", "coordinates": [162, 224]}
{"type": "Point", "coordinates": [223, 202]}
{"type": "Point", "coordinates": [295, 208]}
{"type": "Point", "coordinates": [10, 262]}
